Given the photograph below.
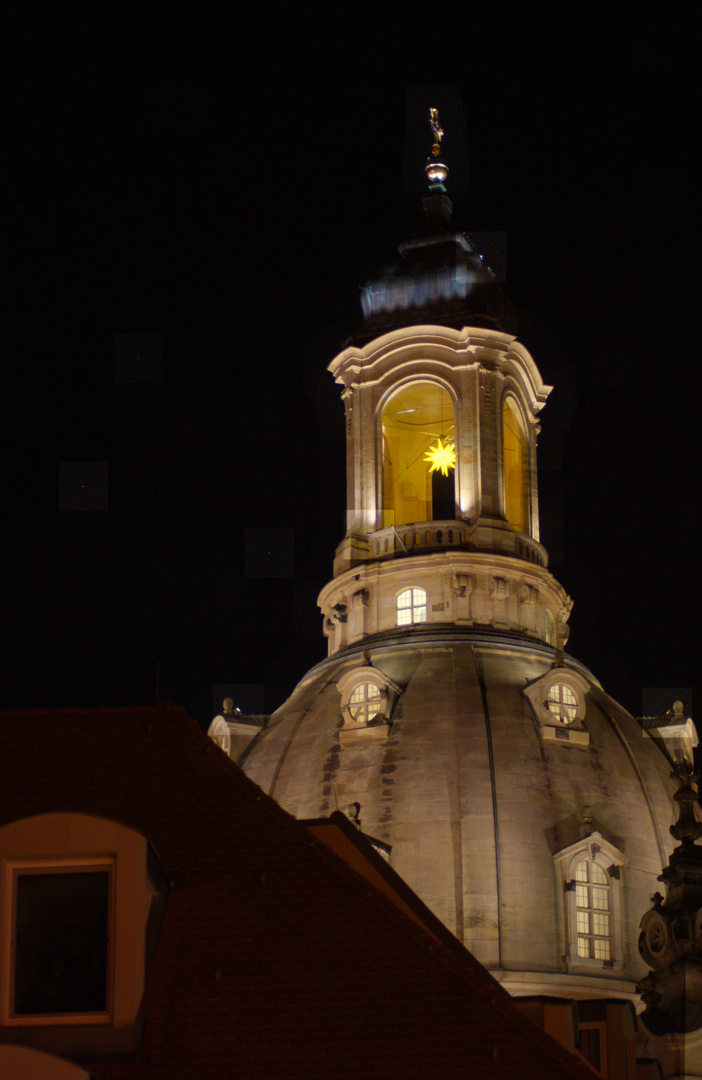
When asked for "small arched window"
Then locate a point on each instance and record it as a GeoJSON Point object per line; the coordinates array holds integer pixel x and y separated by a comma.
{"type": "Point", "coordinates": [515, 450]}
{"type": "Point", "coordinates": [411, 607]}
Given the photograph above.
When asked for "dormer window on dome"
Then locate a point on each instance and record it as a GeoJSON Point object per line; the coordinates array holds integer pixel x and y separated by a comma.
{"type": "Point", "coordinates": [367, 699]}
{"type": "Point", "coordinates": [558, 701]}
{"type": "Point", "coordinates": [591, 874]}
{"type": "Point", "coordinates": [594, 919]}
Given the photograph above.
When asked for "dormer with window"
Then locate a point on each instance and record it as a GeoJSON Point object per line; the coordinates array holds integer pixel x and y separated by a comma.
{"type": "Point", "coordinates": [590, 872]}
{"type": "Point", "coordinates": [558, 702]}
{"type": "Point", "coordinates": [367, 700]}
{"type": "Point", "coordinates": [81, 902]}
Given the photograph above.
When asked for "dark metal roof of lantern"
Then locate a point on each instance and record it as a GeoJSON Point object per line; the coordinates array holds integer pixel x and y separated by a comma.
{"type": "Point", "coordinates": [671, 933]}
{"type": "Point", "coordinates": [438, 277]}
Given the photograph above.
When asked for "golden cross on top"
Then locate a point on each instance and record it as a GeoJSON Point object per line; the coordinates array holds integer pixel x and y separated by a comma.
{"type": "Point", "coordinates": [436, 131]}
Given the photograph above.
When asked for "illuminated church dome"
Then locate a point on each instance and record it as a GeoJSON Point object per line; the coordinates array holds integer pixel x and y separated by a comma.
{"type": "Point", "coordinates": [522, 804]}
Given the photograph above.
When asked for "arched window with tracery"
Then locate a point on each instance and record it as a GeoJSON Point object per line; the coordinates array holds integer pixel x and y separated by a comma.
{"type": "Point", "coordinates": [411, 607]}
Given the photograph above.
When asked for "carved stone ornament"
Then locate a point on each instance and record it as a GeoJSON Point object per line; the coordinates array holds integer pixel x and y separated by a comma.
{"type": "Point", "coordinates": [487, 385]}
{"type": "Point", "coordinates": [671, 932]}
{"type": "Point", "coordinates": [463, 584]}
{"type": "Point", "coordinates": [528, 594]}
{"type": "Point", "coordinates": [499, 589]}
{"type": "Point", "coordinates": [338, 613]}
{"type": "Point", "coordinates": [360, 599]}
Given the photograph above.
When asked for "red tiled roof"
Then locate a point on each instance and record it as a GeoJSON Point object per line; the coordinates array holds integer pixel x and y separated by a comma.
{"type": "Point", "coordinates": [275, 958]}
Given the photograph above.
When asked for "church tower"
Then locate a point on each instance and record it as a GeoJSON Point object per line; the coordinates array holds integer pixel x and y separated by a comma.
{"type": "Point", "coordinates": [522, 804]}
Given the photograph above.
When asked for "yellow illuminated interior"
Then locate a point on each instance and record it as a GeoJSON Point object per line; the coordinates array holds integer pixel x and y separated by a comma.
{"type": "Point", "coordinates": [516, 465]}
{"type": "Point", "coordinates": [418, 437]}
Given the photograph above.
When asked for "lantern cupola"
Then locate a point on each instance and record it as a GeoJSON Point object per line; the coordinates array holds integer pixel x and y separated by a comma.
{"type": "Point", "coordinates": [442, 405]}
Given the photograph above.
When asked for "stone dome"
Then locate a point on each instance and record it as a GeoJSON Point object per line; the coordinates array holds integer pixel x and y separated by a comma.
{"type": "Point", "coordinates": [527, 809]}
{"type": "Point", "coordinates": [508, 785]}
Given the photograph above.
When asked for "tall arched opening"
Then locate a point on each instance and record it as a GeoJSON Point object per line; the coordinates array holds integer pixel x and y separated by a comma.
{"type": "Point", "coordinates": [515, 449]}
{"type": "Point", "coordinates": [418, 436]}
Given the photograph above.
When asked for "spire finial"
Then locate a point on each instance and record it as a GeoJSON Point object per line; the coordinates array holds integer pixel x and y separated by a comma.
{"type": "Point", "coordinates": [435, 169]}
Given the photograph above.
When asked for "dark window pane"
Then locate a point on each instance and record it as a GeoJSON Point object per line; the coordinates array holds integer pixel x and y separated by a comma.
{"type": "Point", "coordinates": [590, 1047]}
{"type": "Point", "coordinates": [61, 943]}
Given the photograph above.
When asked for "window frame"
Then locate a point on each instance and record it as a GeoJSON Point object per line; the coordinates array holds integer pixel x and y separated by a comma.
{"type": "Point", "coordinates": [570, 708]}
{"type": "Point", "coordinates": [588, 885]}
{"type": "Point", "coordinates": [46, 867]}
{"type": "Point", "coordinates": [368, 706]}
{"type": "Point", "coordinates": [593, 848]}
{"type": "Point", "coordinates": [411, 607]}
{"type": "Point", "coordinates": [139, 891]}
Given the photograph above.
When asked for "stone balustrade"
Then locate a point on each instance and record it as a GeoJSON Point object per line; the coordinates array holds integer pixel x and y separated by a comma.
{"type": "Point", "coordinates": [398, 541]}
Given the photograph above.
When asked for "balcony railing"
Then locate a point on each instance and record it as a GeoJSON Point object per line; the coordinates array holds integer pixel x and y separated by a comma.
{"type": "Point", "coordinates": [419, 537]}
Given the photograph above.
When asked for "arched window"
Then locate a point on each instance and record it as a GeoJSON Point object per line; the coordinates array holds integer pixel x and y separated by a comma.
{"type": "Point", "coordinates": [418, 455]}
{"type": "Point", "coordinates": [515, 450]}
{"type": "Point", "coordinates": [593, 911]}
{"type": "Point", "coordinates": [411, 607]}
{"type": "Point", "coordinates": [591, 874]}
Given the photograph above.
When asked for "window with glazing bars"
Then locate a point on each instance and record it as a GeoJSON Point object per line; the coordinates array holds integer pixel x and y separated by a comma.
{"type": "Point", "coordinates": [594, 919]}
{"type": "Point", "coordinates": [411, 607]}
{"type": "Point", "coordinates": [562, 703]}
{"type": "Point", "coordinates": [365, 703]}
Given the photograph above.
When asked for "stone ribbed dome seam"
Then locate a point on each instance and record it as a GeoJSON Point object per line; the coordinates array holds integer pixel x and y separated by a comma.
{"type": "Point", "coordinates": [644, 790]}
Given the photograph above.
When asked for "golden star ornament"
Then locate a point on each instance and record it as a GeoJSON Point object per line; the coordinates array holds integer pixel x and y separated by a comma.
{"type": "Point", "coordinates": [441, 457]}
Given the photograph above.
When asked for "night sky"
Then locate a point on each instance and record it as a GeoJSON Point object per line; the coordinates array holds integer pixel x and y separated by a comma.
{"type": "Point", "coordinates": [196, 208]}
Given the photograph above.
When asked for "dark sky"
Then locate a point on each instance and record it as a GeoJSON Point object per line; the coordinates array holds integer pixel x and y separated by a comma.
{"type": "Point", "coordinates": [224, 195]}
